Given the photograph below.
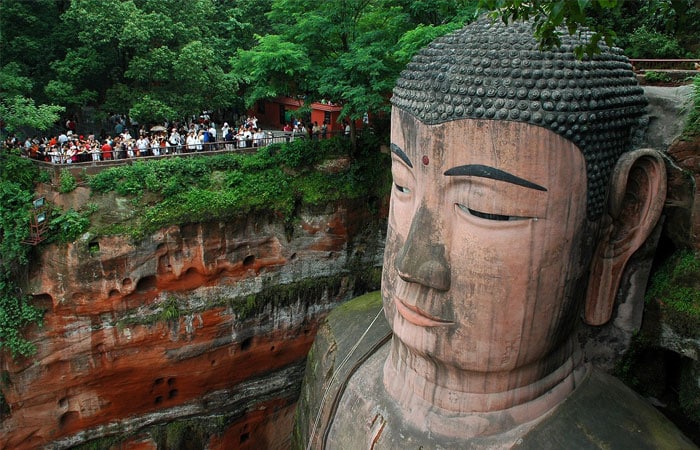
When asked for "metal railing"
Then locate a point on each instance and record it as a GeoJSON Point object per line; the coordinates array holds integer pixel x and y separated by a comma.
{"type": "Point", "coordinates": [641, 64]}
{"type": "Point", "coordinates": [120, 156]}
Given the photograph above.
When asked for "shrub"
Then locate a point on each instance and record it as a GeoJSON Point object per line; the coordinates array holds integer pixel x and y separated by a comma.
{"type": "Point", "coordinates": [676, 286]}
{"type": "Point", "coordinates": [647, 43]}
{"type": "Point", "coordinates": [68, 226]}
{"type": "Point", "coordinates": [656, 77]}
{"type": "Point", "coordinates": [196, 189]}
{"type": "Point", "coordinates": [19, 170]}
{"type": "Point", "coordinates": [66, 182]}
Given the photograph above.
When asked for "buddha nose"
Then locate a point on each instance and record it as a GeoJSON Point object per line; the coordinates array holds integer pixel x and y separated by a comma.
{"type": "Point", "coordinates": [422, 258]}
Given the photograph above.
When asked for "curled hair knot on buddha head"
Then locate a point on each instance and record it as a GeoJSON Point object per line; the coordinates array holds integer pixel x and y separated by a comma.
{"type": "Point", "coordinates": [488, 70]}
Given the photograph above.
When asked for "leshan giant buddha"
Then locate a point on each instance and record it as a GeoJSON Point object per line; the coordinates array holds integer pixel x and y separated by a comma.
{"type": "Point", "coordinates": [517, 202]}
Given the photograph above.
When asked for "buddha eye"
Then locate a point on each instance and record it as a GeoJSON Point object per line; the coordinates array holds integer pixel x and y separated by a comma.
{"type": "Point", "coordinates": [402, 189]}
{"type": "Point", "coordinates": [488, 216]}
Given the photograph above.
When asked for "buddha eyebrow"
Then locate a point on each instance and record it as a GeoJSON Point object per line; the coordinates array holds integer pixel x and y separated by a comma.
{"type": "Point", "coordinates": [478, 170]}
{"type": "Point", "coordinates": [395, 149]}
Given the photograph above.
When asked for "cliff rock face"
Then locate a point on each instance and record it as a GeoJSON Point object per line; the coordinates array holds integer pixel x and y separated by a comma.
{"type": "Point", "coordinates": [199, 332]}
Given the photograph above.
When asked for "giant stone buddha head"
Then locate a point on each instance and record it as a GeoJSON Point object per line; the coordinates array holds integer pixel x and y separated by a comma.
{"type": "Point", "coordinates": [517, 200]}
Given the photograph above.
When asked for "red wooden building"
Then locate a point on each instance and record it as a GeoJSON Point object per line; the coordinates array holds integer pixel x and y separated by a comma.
{"type": "Point", "coordinates": [280, 110]}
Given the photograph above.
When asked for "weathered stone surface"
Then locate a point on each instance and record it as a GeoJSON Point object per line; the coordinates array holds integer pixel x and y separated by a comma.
{"type": "Point", "coordinates": [600, 413]}
{"type": "Point", "coordinates": [687, 156]}
{"type": "Point", "coordinates": [199, 320]}
{"type": "Point", "coordinates": [667, 110]}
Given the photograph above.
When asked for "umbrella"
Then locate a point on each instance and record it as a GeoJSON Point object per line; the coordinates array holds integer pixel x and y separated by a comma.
{"type": "Point", "coordinates": [158, 128]}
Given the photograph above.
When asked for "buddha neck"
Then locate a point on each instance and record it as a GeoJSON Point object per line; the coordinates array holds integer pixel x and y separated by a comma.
{"type": "Point", "coordinates": [483, 402]}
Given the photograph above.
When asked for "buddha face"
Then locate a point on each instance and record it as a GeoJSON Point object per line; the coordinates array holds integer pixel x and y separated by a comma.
{"type": "Point", "coordinates": [485, 263]}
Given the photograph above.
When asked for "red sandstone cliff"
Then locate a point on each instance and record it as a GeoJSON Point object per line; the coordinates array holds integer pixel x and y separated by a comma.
{"type": "Point", "coordinates": [204, 327]}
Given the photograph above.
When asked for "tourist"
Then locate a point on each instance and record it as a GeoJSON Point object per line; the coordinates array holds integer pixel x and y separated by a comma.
{"type": "Point", "coordinates": [212, 136]}
{"type": "Point", "coordinates": [191, 141]}
{"type": "Point", "coordinates": [106, 150]}
{"type": "Point", "coordinates": [258, 137]}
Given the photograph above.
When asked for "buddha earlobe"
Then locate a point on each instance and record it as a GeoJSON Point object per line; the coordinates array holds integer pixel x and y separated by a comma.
{"type": "Point", "coordinates": [637, 195]}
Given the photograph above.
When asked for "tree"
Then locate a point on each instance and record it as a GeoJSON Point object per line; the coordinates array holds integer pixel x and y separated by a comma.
{"type": "Point", "coordinates": [657, 28]}
{"type": "Point", "coordinates": [347, 52]}
{"type": "Point", "coordinates": [154, 58]}
{"type": "Point", "coordinates": [18, 110]}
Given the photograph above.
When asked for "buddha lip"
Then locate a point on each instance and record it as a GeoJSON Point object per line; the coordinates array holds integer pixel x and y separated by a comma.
{"type": "Point", "coordinates": [419, 317]}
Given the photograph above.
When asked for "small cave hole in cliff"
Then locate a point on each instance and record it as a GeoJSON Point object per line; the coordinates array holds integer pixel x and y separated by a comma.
{"type": "Point", "coordinates": [245, 345]}
{"type": "Point", "coordinates": [44, 301]}
{"type": "Point", "coordinates": [272, 349]}
{"type": "Point", "coordinates": [293, 257]}
{"type": "Point", "coordinates": [172, 393]}
{"type": "Point", "coordinates": [145, 284]}
{"type": "Point", "coordinates": [158, 400]}
{"type": "Point", "coordinates": [248, 260]}
{"type": "Point", "coordinates": [63, 403]}
{"type": "Point", "coordinates": [126, 282]}
{"type": "Point", "coordinates": [171, 381]}
{"type": "Point", "coordinates": [164, 264]}
{"type": "Point", "coordinates": [113, 293]}
{"type": "Point", "coordinates": [244, 437]}
{"type": "Point", "coordinates": [67, 418]}
{"type": "Point", "coordinates": [94, 248]}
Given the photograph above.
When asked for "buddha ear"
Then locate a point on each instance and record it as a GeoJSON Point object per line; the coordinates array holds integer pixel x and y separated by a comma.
{"type": "Point", "coordinates": [637, 195]}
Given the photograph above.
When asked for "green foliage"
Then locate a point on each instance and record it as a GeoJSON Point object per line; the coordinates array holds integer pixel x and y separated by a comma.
{"type": "Point", "coordinates": [16, 312]}
{"type": "Point", "coordinates": [170, 310]}
{"type": "Point", "coordinates": [104, 443]}
{"type": "Point", "coordinates": [275, 179]}
{"type": "Point", "coordinates": [22, 112]}
{"type": "Point", "coordinates": [271, 68]}
{"type": "Point", "coordinates": [185, 434]}
{"type": "Point", "coordinates": [692, 125]}
{"type": "Point", "coordinates": [656, 77]}
{"type": "Point", "coordinates": [67, 227]}
{"type": "Point", "coordinates": [419, 37]}
{"type": "Point", "coordinates": [14, 224]}
{"type": "Point", "coordinates": [676, 287]}
{"type": "Point", "coordinates": [44, 176]}
{"type": "Point", "coordinates": [647, 43]}
{"type": "Point", "coordinates": [18, 170]}
{"type": "Point", "coordinates": [149, 110]}
{"type": "Point", "coordinates": [66, 182]}
{"type": "Point", "coordinates": [169, 58]}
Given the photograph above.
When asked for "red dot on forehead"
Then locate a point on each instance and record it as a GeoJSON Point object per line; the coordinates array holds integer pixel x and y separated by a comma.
{"type": "Point", "coordinates": [426, 160]}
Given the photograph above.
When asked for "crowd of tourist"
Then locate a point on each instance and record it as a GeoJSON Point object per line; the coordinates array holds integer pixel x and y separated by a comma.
{"type": "Point", "coordinates": [131, 141]}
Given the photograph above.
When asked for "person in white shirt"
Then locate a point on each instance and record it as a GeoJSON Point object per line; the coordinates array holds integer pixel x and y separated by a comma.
{"type": "Point", "coordinates": [212, 137]}
{"type": "Point", "coordinates": [258, 138]}
{"type": "Point", "coordinates": [191, 142]}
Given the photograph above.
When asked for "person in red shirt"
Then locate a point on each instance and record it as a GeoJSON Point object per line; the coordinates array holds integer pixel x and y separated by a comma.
{"type": "Point", "coordinates": [106, 151]}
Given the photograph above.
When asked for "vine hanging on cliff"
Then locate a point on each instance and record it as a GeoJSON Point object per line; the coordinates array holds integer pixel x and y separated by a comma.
{"type": "Point", "coordinates": [16, 311]}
